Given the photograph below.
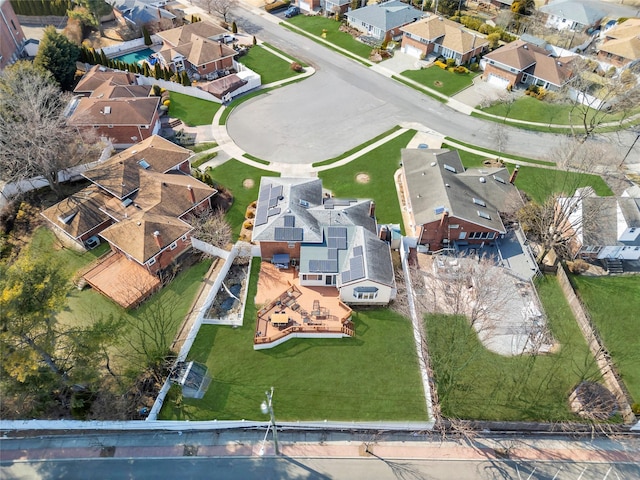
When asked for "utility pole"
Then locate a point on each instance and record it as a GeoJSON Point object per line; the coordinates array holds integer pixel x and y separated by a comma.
{"type": "Point", "coordinates": [267, 407]}
{"type": "Point", "coordinates": [630, 148]}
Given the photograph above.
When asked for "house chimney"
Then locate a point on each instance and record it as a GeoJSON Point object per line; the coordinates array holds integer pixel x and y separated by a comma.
{"type": "Point", "coordinates": [192, 195]}
{"type": "Point", "coordinates": [445, 214]}
{"type": "Point", "coordinates": [372, 209]}
{"type": "Point", "coordinates": [514, 175]}
{"type": "Point", "coordinates": [159, 14]}
{"type": "Point", "coordinates": [156, 235]}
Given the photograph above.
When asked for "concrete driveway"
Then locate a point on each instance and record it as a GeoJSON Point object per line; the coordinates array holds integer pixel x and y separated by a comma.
{"type": "Point", "coordinates": [481, 93]}
{"type": "Point", "coordinates": [313, 120]}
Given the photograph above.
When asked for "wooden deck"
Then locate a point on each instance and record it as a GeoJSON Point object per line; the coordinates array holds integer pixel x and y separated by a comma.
{"type": "Point", "coordinates": [288, 307]}
{"type": "Point", "coordinates": [122, 280]}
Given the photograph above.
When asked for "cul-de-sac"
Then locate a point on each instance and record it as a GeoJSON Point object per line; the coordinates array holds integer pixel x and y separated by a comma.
{"type": "Point", "coordinates": [409, 216]}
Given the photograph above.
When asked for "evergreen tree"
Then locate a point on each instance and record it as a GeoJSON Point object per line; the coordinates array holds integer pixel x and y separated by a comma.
{"type": "Point", "coordinates": [147, 37]}
{"type": "Point", "coordinates": [167, 73]}
{"type": "Point", "coordinates": [157, 72]}
{"type": "Point", "coordinates": [234, 27]}
{"type": "Point", "coordinates": [103, 59]}
{"type": "Point", "coordinates": [185, 79]}
{"type": "Point", "coordinates": [58, 55]}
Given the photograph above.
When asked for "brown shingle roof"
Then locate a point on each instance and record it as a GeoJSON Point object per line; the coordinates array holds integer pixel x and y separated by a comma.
{"type": "Point", "coordinates": [199, 51]}
{"type": "Point", "coordinates": [181, 35]}
{"type": "Point", "coordinates": [111, 90]}
{"type": "Point", "coordinates": [98, 75]}
{"type": "Point", "coordinates": [78, 213]}
{"type": "Point", "coordinates": [114, 111]}
{"type": "Point", "coordinates": [453, 35]}
{"type": "Point", "coordinates": [135, 236]}
{"type": "Point", "coordinates": [120, 175]}
{"type": "Point", "coordinates": [624, 40]}
{"type": "Point", "coordinates": [533, 60]}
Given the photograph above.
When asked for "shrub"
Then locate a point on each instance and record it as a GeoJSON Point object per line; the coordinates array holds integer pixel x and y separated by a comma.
{"type": "Point", "coordinates": [234, 27]}
{"type": "Point", "coordinates": [494, 40]}
{"type": "Point", "coordinates": [474, 67]}
{"type": "Point", "coordinates": [451, 62]}
{"type": "Point", "coordinates": [167, 102]}
{"type": "Point", "coordinates": [250, 214]}
{"type": "Point", "coordinates": [247, 225]}
{"type": "Point", "coordinates": [253, 204]}
{"type": "Point", "coordinates": [440, 64]}
{"type": "Point", "coordinates": [156, 90]}
{"type": "Point", "coordinates": [296, 67]}
{"type": "Point", "coordinates": [460, 69]}
{"type": "Point", "coordinates": [578, 266]}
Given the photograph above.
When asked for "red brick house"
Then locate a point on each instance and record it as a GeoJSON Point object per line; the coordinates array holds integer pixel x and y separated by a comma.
{"type": "Point", "coordinates": [523, 63]}
{"type": "Point", "coordinates": [621, 46]}
{"type": "Point", "coordinates": [98, 76]}
{"type": "Point", "coordinates": [449, 206]}
{"type": "Point", "coordinates": [439, 36]}
{"type": "Point", "coordinates": [12, 38]}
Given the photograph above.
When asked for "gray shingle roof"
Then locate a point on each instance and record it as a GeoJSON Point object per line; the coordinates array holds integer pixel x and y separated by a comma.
{"type": "Point", "coordinates": [575, 11]}
{"type": "Point", "coordinates": [386, 16]}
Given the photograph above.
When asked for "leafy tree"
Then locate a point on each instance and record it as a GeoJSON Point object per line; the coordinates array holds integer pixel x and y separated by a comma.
{"type": "Point", "coordinates": [34, 136]}
{"type": "Point", "coordinates": [58, 55]}
{"type": "Point", "coordinates": [98, 9]}
{"type": "Point", "coordinates": [494, 40]}
{"type": "Point", "coordinates": [221, 7]}
{"type": "Point", "coordinates": [523, 7]}
{"type": "Point", "coordinates": [211, 226]}
{"type": "Point", "coordinates": [447, 7]}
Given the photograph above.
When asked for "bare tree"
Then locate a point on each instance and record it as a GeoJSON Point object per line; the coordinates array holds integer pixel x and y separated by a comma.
{"type": "Point", "coordinates": [211, 226]}
{"type": "Point", "coordinates": [220, 7]}
{"type": "Point", "coordinates": [34, 136]}
{"type": "Point", "coordinates": [593, 97]}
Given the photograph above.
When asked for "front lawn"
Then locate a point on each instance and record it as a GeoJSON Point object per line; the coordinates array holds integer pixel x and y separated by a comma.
{"type": "Point", "coordinates": [474, 383]}
{"type": "Point", "coordinates": [379, 165]}
{"type": "Point", "coordinates": [191, 110]}
{"type": "Point", "coordinates": [443, 81]}
{"type": "Point", "coordinates": [315, 25]}
{"type": "Point", "coordinates": [371, 377]}
{"type": "Point", "coordinates": [540, 183]}
{"type": "Point", "coordinates": [618, 321]}
{"type": "Point", "coordinates": [270, 67]}
{"type": "Point", "coordinates": [232, 175]}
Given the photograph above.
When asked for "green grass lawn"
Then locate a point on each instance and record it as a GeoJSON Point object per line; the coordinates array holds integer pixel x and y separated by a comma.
{"type": "Point", "coordinates": [192, 111]}
{"type": "Point", "coordinates": [534, 110]}
{"type": "Point", "coordinates": [617, 321]}
{"type": "Point", "coordinates": [358, 148]}
{"type": "Point", "coordinates": [270, 67]}
{"type": "Point", "coordinates": [205, 157]}
{"type": "Point", "coordinates": [231, 175]}
{"type": "Point", "coordinates": [474, 383]}
{"type": "Point", "coordinates": [373, 376]}
{"type": "Point", "coordinates": [380, 164]}
{"type": "Point", "coordinates": [443, 81]}
{"type": "Point", "coordinates": [314, 25]}
{"type": "Point", "coordinates": [201, 147]}
{"type": "Point", "coordinates": [496, 153]}
{"type": "Point", "coordinates": [539, 183]}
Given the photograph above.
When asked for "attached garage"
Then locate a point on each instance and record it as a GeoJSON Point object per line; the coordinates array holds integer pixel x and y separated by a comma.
{"type": "Point", "coordinates": [412, 51]}
{"type": "Point", "coordinates": [494, 79]}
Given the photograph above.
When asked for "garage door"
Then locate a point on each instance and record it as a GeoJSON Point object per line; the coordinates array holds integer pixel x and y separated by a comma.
{"type": "Point", "coordinates": [305, 7]}
{"type": "Point", "coordinates": [498, 81]}
{"type": "Point", "coordinates": [413, 51]}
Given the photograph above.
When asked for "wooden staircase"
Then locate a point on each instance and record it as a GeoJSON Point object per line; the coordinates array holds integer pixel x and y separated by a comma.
{"type": "Point", "coordinates": [614, 265]}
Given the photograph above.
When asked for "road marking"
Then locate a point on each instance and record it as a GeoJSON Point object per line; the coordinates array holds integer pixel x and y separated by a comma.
{"type": "Point", "coordinates": [554, 477]}
{"type": "Point", "coordinates": [518, 472]}
{"type": "Point", "coordinates": [608, 472]}
{"type": "Point", "coordinates": [534, 471]}
{"type": "Point", "coordinates": [617, 475]}
{"type": "Point", "coordinates": [585, 469]}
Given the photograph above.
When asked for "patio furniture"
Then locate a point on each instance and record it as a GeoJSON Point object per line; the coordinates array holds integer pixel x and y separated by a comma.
{"type": "Point", "coordinates": [279, 319]}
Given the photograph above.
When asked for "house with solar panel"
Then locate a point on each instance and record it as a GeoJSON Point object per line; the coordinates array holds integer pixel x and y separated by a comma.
{"type": "Point", "coordinates": [330, 241]}
{"type": "Point", "coordinates": [453, 207]}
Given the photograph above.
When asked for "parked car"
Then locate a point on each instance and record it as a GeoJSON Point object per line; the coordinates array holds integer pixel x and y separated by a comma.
{"type": "Point", "coordinates": [292, 12]}
{"type": "Point", "coordinates": [227, 38]}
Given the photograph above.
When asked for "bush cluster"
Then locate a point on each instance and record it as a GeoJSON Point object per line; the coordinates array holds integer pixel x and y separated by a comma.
{"type": "Point", "coordinates": [442, 65]}
{"type": "Point", "coordinates": [296, 67]}
{"type": "Point", "coordinates": [536, 92]}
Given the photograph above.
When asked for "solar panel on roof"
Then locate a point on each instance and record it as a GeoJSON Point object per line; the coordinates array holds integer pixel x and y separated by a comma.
{"type": "Point", "coordinates": [261, 217]}
{"type": "Point", "coordinates": [337, 232]}
{"type": "Point", "coordinates": [276, 191]}
{"type": "Point", "coordinates": [287, 234]}
{"type": "Point", "coordinates": [337, 242]}
{"type": "Point", "coordinates": [357, 268]}
{"type": "Point", "coordinates": [357, 251]}
{"type": "Point", "coordinates": [273, 211]}
{"type": "Point", "coordinates": [332, 254]}
{"type": "Point", "coordinates": [264, 192]}
{"type": "Point", "coordinates": [323, 266]}
{"type": "Point", "coordinates": [289, 221]}
{"type": "Point", "coordinates": [345, 277]}
{"type": "Point", "coordinates": [273, 202]}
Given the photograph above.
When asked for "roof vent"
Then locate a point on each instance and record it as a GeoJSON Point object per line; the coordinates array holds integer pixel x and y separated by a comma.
{"type": "Point", "coordinates": [447, 185]}
{"type": "Point", "coordinates": [433, 164]}
{"type": "Point", "coordinates": [449, 168]}
{"type": "Point", "coordinates": [482, 180]}
{"type": "Point", "coordinates": [526, 47]}
{"type": "Point", "coordinates": [107, 110]}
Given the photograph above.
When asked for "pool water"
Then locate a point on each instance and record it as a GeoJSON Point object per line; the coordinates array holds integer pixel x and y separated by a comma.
{"type": "Point", "coordinates": [135, 57]}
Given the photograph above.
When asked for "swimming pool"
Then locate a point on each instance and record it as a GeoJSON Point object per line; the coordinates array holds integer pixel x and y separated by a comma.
{"type": "Point", "coordinates": [135, 57]}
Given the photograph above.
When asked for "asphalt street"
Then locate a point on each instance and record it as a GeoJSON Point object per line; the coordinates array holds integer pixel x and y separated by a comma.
{"type": "Point", "coordinates": [346, 103]}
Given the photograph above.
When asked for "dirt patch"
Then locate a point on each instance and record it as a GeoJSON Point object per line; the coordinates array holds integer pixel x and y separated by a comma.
{"type": "Point", "coordinates": [248, 183]}
{"type": "Point", "coordinates": [493, 163]}
{"type": "Point", "coordinates": [438, 83]}
{"type": "Point", "coordinates": [363, 178]}
{"type": "Point", "coordinates": [226, 303]}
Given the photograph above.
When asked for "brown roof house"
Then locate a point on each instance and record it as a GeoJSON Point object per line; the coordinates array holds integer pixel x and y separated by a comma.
{"type": "Point", "coordinates": [334, 242]}
{"type": "Point", "coordinates": [522, 63]}
{"type": "Point", "coordinates": [182, 35]}
{"type": "Point", "coordinates": [12, 40]}
{"type": "Point", "coordinates": [199, 56]}
{"type": "Point", "coordinates": [140, 201]}
{"type": "Point", "coordinates": [621, 46]}
{"type": "Point", "coordinates": [439, 36]}
{"type": "Point", "coordinates": [451, 207]}
{"type": "Point", "coordinates": [115, 108]}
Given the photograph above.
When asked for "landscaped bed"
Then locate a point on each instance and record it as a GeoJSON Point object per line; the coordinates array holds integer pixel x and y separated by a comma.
{"type": "Point", "coordinates": [474, 383]}
{"type": "Point", "coordinates": [373, 376]}
{"type": "Point", "coordinates": [616, 321]}
{"type": "Point", "coordinates": [443, 81]}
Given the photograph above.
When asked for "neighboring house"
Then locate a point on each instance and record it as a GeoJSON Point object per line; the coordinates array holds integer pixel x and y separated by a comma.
{"type": "Point", "coordinates": [332, 7]}
{"type": "Point", "coordinates": [197, 49]}
{"type": "Point", "coordinates": [98, 76]}
{"type": "Point", "coordinates": [379, 19]}
{"type": "Point", "coordinates": [333, 242]}
{"type": "Point", "coordinates": [122, 120]}
{"type": "Point", "coordinates": [603, 228]}
{"type": "Point", "coordinates": [311, 6]}
{"type": "Point", "coordinates": [571, 15]}
{"type": "Point", "coordinates": [523, 63]}
{"type": "Point", "coordinates": [12, 38]}
{"type": "Point", "coordinates": [439, 36]}
{"type": "Point", "coordinates": [140, 201]}
{"type": "Point", "coordinates": [139, 13]}
{"type": "Point", "coordinates": [621, 45]}
{"type": "Point", "coordinates": [449, 206]}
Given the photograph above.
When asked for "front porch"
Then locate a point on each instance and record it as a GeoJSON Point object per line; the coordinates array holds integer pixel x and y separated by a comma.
{"type": "Point", "coordinates": [290, 310]}
{"type": "Point", "coordinates": [122, 280]}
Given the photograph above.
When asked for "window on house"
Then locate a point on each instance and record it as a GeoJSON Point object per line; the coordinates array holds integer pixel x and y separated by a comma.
{"type": "Point", "coordinates": [173, 246]}
{"type": "Point", "coordinates": [311, 277]}
{"type": "Point", "coordinates": [151, 261]}
{"type": "Point", "coordinates": [365, 293]}
{"type": "Point", "coordinates": [291, 245]}
{"type": "Point", "coordinates": [184, 238]}
{"type": "Point", "coordinates": [14, 26]}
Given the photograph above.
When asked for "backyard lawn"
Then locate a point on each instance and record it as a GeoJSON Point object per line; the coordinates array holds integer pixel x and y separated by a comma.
{"type": "Point", "coordinates": [617, 321]}
{"type": "Point", "coordinates": [192, 111]}
{"type": "Point", "coordinates": [380, 165]}
{"type": "Point", "coordinates": [443, 81]}
{"type": "Point", "coordinates": [474, 383]}
{"type": "Point", "coordinates": [539, 183]}
{"type": "Point", "coordinates": [270, 67]}
{"type": "Point", "coordinates": [314, 25]}
{"type": "Point", "coordinates": [371, 377]}
{"type": "Point", "coordinates": [232, 175]}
